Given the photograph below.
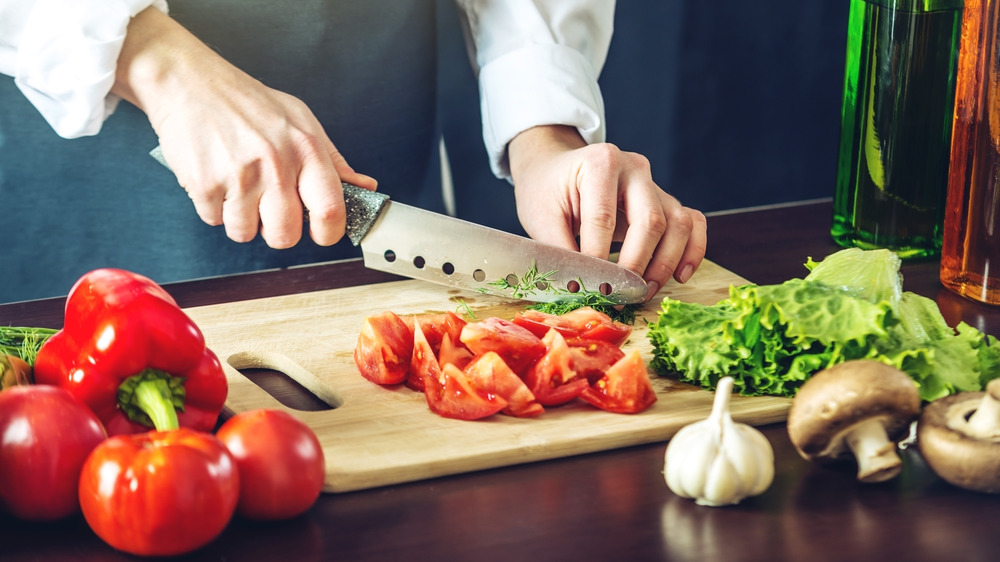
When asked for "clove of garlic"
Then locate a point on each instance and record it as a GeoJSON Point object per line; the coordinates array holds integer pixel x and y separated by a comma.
{"type": "Point", "coordinates": [717, 461]}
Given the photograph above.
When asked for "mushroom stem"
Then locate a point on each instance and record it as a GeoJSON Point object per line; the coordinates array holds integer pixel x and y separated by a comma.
{"type": "Point", "coordinates": [984, 423]}
{"type": "Point", "coordinates": [876, 455]}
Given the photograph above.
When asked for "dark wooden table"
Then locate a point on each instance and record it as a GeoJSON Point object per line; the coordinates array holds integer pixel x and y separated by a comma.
{"type": "Point", "coordinates": [606, 506]}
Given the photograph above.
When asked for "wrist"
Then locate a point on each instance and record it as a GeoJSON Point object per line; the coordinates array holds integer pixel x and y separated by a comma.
{"type": "Point", "coordinates": [156, 51]}
{"type": "Point", "coordinates": [541, 143]}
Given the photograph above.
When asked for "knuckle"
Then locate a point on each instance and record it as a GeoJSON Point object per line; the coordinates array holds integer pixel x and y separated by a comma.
{"type": "Point", "coordinates": [636, 160]}
{"type": "Point", "coordinates": [603, 218]}
{"type": "Point", "coordinates": [655, 222]}
{"type": "Point", "coordinates": [604, 156]}
{"type": "Point", "coordinates": [308, 145]}
{"type": "Point", "coordinates": [680, 220]}
{"type": "Point", "coordinates": [324, 214]}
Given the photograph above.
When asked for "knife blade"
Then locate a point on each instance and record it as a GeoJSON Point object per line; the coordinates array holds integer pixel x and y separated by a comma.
{"type": "Point", "coordinates": [420, 244]}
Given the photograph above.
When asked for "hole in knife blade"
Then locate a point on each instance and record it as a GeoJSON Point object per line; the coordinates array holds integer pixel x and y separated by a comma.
{"type": "Point", "coordinates": [573, 286]}
{"type": "Point", "coordinates": [389, 256]}
{"type": "Point", "coordinates": [418, 262]}
{"type": "Point", "coordinates": [542, 286]}
{"type": "Point", "coordinates": [447, 268]}
{"type": "Point", "coordinates": [512, 280]}
{"type": "Point", "coordinates": [605, 289]}
{"type": "Point", "coordinates": [479, 275]}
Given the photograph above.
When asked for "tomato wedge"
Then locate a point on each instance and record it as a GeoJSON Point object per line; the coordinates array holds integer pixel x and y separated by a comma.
{"type": "Point", "coordinates": [384, 349]}
{"type": "Point", "coordinates": [453, 351]}
{"type": "Point", "coordinates": [625, 387]}
{"type": "Point", "coordinates": [516, 345]}
{"type": "Point", "coordinates": [551, 379]}
{"type": "Point", "coordinates": [436, 326]}
{"type": "Point", "coordinates": [489, 372]}
{"type": "Point", "coordinates": [453, 395]}
{"type": "Point", "coordinates": [424, 363]}
{"type": "Point", "coordinates": [584, 322]}
{"type": "Point", "coordinates": [591, 358]}
{"type": "Point", "coordinates": [449, 392]}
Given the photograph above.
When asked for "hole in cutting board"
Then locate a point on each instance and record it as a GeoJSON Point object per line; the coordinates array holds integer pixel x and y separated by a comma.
{"type": "Point", "coordinates": [286, 381]}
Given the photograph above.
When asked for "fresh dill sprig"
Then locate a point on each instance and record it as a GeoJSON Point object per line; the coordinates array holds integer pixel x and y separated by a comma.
{"type": "Point", "coordinates": [533, 281]}
{"type": "Point", "coordinates": [528, 283]}
{"type": "Point", "coordinates": [23, 342]}
{"type": "Point", "coordinates": [464, 307]}
{"type": "Point", "coordinates": [621, 313]}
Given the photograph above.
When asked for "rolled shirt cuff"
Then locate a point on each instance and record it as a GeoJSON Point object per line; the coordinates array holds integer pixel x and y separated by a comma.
{"type": "Point", "coordinates": [538, 84]}
{"type": "Point", "coordinates": [68, 57]}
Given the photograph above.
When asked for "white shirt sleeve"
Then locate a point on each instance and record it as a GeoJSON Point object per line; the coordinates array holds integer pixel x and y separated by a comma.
{"type": "Point", "coordinates": [538, 63]}
{"type": "Point", "coordinates": [63, 56]}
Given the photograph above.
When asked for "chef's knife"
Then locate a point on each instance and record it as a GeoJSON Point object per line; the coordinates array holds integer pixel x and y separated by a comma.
{"type": "Point", "coordinates": [413, 242]}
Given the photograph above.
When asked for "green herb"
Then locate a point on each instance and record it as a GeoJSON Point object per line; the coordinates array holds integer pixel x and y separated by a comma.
{"type": "Point", "coordinates": [464, 306]}
{"type": "Point", "coordinates": [771, 338]}
{"type": "Point", "coordinates": [533, 281]}
{"type": "Point", "coordinates": [23, 342]}
{"type": "Point", "coordinates": [593, 299]}
{"type": "Point", "coordinates": [527, 284]}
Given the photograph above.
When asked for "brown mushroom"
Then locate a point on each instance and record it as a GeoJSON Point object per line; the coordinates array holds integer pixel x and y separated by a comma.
{"type": "Point", "coordinates": [959, 438]}
{"type": "Point", "coordinates": [862, 408]}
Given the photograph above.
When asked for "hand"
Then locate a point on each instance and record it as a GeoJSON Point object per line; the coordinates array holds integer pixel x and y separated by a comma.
{"type": "Point", "coordinates": [250, 157]}
{"type": "Point", "coordinates": [566, 188]}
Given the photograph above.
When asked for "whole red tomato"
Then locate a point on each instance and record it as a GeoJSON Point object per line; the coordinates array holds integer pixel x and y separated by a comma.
{"type": "Point", "coordinates": [281, 463]}
{"type": "Point", "coordinates": [45, 436]}
{"type": "Point", "coordinates": [159, 493]}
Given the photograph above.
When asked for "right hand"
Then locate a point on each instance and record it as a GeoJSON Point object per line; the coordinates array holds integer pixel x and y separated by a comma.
{"type": "Point", "coordinates": [250, 157]}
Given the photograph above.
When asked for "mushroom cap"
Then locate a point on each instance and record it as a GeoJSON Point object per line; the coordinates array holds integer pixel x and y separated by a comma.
{"type": "Point", "coordinates": [958, 458]}
{"type": "Point", "coordinates": [834, 400]}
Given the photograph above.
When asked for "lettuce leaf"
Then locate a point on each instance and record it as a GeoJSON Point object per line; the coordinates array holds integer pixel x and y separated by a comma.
{"type": "Point", "coordinates": [771, 338]}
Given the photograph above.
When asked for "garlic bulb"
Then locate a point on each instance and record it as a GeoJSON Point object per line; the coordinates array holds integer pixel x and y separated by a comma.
{"type": "Point", "coordinates": [717, 461]}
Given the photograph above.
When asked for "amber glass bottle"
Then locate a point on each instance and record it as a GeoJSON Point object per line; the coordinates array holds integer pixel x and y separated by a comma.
{"type": "Point", "coordinates": [970, 254]}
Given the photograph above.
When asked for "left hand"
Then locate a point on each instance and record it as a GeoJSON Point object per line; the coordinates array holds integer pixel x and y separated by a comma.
{"type": "Point", "coordinates": [565, 188]}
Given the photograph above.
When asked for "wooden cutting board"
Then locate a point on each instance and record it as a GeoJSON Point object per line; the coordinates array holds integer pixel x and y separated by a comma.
{"type": "Point", "coordinates": [375, 436]}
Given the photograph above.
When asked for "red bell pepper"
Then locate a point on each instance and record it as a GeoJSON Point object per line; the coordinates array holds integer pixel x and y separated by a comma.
{"type": "Point", "coordinates": [130, 353]}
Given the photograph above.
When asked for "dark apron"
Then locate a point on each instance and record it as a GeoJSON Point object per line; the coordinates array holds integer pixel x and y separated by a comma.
{"type": "Point", "coordinates": [366, 68]}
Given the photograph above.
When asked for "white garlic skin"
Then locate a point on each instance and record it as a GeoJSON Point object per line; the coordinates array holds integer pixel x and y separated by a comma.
{"type": "Point", "coordinates": [717, 461]}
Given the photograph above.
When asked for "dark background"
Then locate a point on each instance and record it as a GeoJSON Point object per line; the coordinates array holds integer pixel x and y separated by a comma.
{"type": "Point", "coordinates": [736, 104]}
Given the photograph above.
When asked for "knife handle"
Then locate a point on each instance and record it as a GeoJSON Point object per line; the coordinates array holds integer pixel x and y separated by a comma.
{"type": "Point", "coordinates": [363, 206]}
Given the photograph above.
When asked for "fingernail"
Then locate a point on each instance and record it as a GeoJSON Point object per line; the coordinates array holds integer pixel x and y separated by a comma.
{"type": "Point", "coordinates": [652, 287]}
{"type": "Point", "coordinates": [685, 273]}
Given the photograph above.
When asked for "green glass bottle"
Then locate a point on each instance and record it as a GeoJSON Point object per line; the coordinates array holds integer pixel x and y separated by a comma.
{"type": "Point", "coordinates": [899, 88]}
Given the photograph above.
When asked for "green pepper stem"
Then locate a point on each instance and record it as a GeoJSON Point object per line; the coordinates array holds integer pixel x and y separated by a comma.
{"type": "Point", "coordinates": [153, 397]}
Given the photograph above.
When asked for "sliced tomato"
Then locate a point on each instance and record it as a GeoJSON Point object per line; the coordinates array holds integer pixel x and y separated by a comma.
{"type": "Point", "coordinates": [489, 372]}
{"type": "Point", "coordinates": [452, 394]}
{"type": "Point", "coordinates": [424, 363]}
{"type": "Point", "coordinates": [591, 358]}
{"type": "Point", "coordinates": [436, 325]}
{"type": "Point", "coordinates": [453, 351]}
{"type": "Point", "coordinates": [384, 349]}
{"type": "Point", "coordinates": [584, 322]}
{"type": "Point", "coordinates": [414, 381]}
{"type": "Point", "coordinates": [517, 346]}
{"type": "Point", "coordinates": [551, 379]}
{"type": "Point", "coordinates": [625, 387]}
